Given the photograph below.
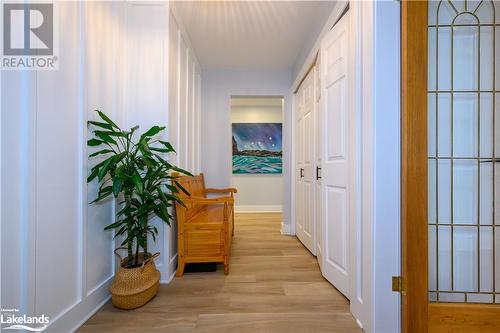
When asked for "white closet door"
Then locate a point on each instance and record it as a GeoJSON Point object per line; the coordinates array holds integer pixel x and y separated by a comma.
{"type": "Point", "coordinates": [336, 155]}
{"type": "Point", "coordinates": [299, 218]}
{"type": "Point", "coordinates": [306, 171]}
{"type": "Point", "coordinates": [317, 154]}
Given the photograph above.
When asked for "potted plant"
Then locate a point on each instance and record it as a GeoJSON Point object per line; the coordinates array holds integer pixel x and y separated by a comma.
{"type": "Point", "coordinates": [136, 172]}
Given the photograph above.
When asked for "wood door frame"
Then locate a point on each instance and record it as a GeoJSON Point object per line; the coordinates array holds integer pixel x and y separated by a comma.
{"type": "Point", "coordinates": [418, 315]}
{"type": "Point", "coordinates": [414, 266]}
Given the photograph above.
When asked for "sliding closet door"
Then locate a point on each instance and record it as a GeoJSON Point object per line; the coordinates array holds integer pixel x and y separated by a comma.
{"type": "Point", "coordinates": [336, 155]}
{"type": "Point", "coordinates": [305, 202]}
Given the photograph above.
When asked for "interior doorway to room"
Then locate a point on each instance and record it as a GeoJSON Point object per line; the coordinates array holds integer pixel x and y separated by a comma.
{"type": "Point", "coordinates": [257, 153]}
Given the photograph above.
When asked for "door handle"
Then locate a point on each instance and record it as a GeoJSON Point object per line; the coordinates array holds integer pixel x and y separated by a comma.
{"type": "Point", "coordinates": [301, 172]}
{"type": "Point", "coordinates": [318, 173]}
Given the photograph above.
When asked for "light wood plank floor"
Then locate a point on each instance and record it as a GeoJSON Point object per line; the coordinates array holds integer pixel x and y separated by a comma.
{"type": "Point", "coordinates": [274, 285]}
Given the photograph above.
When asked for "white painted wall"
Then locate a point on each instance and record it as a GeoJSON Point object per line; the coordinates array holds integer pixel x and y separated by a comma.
{"type": "Point", "coordinates": [217, 89]}
{"type": "Point", "coordinates": [114, 56]}
{"type": "Point", "coordinates": [261, 192]}
{"type": "Point", "coordinates": [386, 232]}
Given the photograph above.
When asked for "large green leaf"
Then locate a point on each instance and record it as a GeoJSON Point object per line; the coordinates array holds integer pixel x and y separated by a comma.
{"type": "Point", "coordinates": [99, 124]}
{"type": "Point", "coordinates": [106, 119]}
{"type": "Point", "coordinates": [161, 214]}
{"type": "Point", "coordinates": [115, 225]}
{"type": "Point", "coordinates": [102, 195]}
{"type": "Point", "coordinates": [94, 142]}
{"type": "Point", "coordinates": [112, 133]}
{"type": "Point", "coordinates": [92, 175]}
{"type": "Point", "coordinates": [105, 168]}
{"type": "Point", "coordinates": [136, 178]}
{"type": "Point", "coordinates": [172, 188]}
{"type": "Point", "coordinates": [187, 173]}
{"type": "Point", "coordinates": [101, 152]}
{"type": "Point", "coordinates": [105, 137]}
{"type": "Point", "coordinates": [166, 197]}
{"type": "Point", "coordinates": [109, 164]}
{"type": "Point", "coordinates": [117, 186]}
{"type": "Point", "coordinates": [105, 190]}
{"type": "Point", "coordinates": [168, 146]}
{"type": "Point", "coordinates": [181, 188]}
{"type": "Point", "coordinates": [161, 150]}
{"type": "Point", "coordinates": [153, 131]}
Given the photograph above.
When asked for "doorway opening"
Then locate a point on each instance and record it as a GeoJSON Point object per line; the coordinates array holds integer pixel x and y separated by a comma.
{"type": "Point", "coordinates": [257, 153]}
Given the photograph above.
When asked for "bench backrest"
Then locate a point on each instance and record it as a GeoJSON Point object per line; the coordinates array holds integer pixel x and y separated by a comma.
{"type": "Point", "coordinates": [195, 185]}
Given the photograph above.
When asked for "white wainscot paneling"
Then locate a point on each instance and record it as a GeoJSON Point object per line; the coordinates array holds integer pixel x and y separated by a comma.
{"type": "Point", "coordinates": [145, 86]}
{"type": "Point", "coordinates": [102, 93]}
{"type": "Point", "coordinates": [58, 175]}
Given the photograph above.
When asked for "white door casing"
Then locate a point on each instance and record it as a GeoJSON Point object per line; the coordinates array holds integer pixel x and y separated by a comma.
{"type": "Point", "coordinates": [337, 152]}
{"type": "Point", "coordinates": [306, 171]}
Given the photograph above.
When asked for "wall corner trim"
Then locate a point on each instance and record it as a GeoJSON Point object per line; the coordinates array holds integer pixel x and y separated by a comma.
{"type": "Point", "coordinates": [170, 278]}
{"type": "Point", "coordinates": [285, 229]}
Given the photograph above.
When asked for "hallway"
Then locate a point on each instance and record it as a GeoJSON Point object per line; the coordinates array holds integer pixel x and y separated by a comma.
{"type": "Point", "coordinates": [274, 285]}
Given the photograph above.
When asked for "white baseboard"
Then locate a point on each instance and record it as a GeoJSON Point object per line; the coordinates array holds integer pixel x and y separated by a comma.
{"type": "Point", "coordinates": [75, 316]}
{"type": "Point", "coordinates": [172, 268]}
{"type": "Point", "coordinates": [258, 209]}
{"type": "Point", "coordinates": [359, 323]}
{"type": "Point", "coordinates": [170, 278]}
{"type": "Point", "coordinates": [285, 229]}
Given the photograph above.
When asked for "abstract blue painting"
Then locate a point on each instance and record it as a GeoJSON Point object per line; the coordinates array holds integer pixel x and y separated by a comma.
{"type": "Point", "coordinates": [257, 148]}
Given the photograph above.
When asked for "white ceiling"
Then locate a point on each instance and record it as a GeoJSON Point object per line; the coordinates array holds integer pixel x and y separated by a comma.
{"type": "Point", "coordinates": [251, 35]}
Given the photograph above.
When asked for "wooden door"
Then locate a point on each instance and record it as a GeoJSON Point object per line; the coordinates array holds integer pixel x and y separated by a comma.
{"type": "Point", "coordinates": [450, 175]}
{"type": "Point", "coordinates": [336, 155]}
{"type": "Point", "coordinates": [305, 199]}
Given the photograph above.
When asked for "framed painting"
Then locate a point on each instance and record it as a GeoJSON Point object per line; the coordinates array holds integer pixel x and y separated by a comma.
{"type": "Point", "coordinates": [257, 148]}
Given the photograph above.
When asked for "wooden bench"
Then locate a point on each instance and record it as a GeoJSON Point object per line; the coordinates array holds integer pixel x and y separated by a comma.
{"type": "Point", "coordinates": [205, 228]}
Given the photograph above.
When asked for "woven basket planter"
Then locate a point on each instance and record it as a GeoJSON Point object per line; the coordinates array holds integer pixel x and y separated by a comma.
{"type": "Point", "coordinates": [134, 287]}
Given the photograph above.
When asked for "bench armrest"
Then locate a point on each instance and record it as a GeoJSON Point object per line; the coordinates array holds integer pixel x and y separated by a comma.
{"type": "Point", "coordinates": [208, 201]}
{"type": "Point", "coordinates": [221, 190]}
